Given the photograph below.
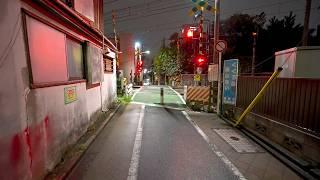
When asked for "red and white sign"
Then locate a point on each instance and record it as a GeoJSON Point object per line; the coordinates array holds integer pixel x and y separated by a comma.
{"type": "Point", "coordinates": [221, 46]}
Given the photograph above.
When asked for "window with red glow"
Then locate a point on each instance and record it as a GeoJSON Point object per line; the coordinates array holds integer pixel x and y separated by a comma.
{"type": "Point", "coordinates": [85, 7]}
{"type": "Point", "coordinates": [47, 49]}
{"type": "Point", "coordinates": [54, 58]}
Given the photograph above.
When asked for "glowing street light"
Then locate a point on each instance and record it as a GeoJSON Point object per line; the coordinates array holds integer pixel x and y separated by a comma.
{"type": "Point", "coordinates": [146, 52]}
{"type": "Point", "coordinates": [137, 45]}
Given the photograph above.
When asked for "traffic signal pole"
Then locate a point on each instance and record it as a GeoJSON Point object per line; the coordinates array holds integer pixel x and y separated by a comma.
{"type": "Point", "coordinates": [216, 39]}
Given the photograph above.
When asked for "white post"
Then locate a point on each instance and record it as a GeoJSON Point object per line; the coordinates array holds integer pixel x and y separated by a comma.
{"type": "Point", "coordinates": [219, 85]}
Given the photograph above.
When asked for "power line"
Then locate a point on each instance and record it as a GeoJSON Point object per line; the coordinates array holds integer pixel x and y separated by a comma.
{"type": "Point", "coordinates": [296, 10]}
{"type": "Point", "coordinates": [148, 15]}
{"type": "Point", "coordinates": [12, 41]}
{"type": "Point", "coordinates": [182, 5]}
{"type": "Point", "coordinates": [150, 11]}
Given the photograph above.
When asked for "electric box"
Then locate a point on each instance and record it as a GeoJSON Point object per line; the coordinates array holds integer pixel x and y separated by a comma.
{"type": "Point", "coordinates": [299, 62]}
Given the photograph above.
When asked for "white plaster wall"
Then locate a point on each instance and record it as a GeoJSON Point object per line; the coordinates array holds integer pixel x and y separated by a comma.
{"type": "Point", "coordinates": [37, 115]}
{"type": "Point", "coordinates": [13, 89]}
{"type": "Point", "coordinates": [93, 101]}
{"type": "Point", "coordinates": [65, 123]}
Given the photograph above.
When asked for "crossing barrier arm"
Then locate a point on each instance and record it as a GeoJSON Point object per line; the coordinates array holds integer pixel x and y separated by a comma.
{"type": "Point", "coordinates": [259, 96]}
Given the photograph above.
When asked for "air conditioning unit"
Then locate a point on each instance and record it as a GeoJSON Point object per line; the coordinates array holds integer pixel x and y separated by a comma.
{"type": "Point", "coordinates": [299, 62]}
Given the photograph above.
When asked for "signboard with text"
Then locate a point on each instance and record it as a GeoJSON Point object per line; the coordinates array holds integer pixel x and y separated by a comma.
{"type": "Point", "coordinates": [197, 77]}
{"type": "Point", "coordinates": [213, 72]}
{"type": "Point", "coordinates": [230, 79]}
{"type": "Point", "coordinates": [70, 94]}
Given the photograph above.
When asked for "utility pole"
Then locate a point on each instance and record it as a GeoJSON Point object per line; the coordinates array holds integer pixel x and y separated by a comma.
{"type": "Point", "coordinates": [216, 38]}
{"type": "Point", "coordinates": [115, 35]}
{"type": "Point", "coordinates": [216, 29]}
{"type": "Point", "coordinates": [306, 23]}
{"type": "Point", "coordinates": [254, 35]}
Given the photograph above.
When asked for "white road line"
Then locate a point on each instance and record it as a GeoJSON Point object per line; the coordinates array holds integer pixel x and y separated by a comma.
{"type": "Point", "coordinates": [226, 161]}
{"type": "Point", "coordinates": [178, 95]}
{"type": "Point", "coordinates": [135, 158]}
{"type": "Point", "coordinates": [134, 95]}
{"type": "Point", "coordinates": [158, 105]}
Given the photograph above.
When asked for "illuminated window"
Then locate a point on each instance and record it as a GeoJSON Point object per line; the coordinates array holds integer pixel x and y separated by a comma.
{"type": "Point", "coordinates": [54, 58]}
{"type": "Point", "coordinates": [47, 49]}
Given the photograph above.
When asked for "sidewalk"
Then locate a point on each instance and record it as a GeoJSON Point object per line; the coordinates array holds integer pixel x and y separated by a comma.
{"type": "Point", "coordinates": [253, 165]}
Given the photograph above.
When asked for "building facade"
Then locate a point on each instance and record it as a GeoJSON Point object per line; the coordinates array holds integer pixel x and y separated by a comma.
{"type": "Point", "coordinates": [127, 56]}
{"type": "Point", "coordinates": [58, 76]}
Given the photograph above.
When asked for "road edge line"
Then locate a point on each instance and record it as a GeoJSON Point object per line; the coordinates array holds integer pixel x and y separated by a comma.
{"type": "Point", "coordinates": [178, 94]}
{"type": "Point", "coordinates": [134, 95]}
{"type": "Point", "coordinates": [213, 147]}
{"type": "Point", "coordinates": [135, 158]}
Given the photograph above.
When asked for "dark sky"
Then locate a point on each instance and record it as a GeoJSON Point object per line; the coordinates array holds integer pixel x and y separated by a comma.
{"type": "Point", "coordinates": [152, 20]}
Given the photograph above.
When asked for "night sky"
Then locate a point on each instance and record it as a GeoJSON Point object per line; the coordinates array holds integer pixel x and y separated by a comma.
{"type": "Point", "coordinates": [152, 20]}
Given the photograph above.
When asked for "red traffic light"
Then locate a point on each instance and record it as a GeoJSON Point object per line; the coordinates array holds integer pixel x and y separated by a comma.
{"type": "Point", "coordinates": [190, 33]}
{"type": "Point", "coordinates": [200, 60]}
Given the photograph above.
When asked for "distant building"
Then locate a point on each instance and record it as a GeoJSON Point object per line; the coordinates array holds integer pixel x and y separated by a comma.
{"type": "Point", "coordinates": [55, 80]}
{"type": "Point", "coordinates": [127, 56]}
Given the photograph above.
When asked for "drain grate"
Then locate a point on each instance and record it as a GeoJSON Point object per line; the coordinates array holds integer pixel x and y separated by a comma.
{"type": "Point", "coordinates": [238, 142]}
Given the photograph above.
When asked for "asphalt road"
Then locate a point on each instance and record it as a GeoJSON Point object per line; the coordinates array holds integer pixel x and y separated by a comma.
{"type": "Point", "coordinates": [170, 148]}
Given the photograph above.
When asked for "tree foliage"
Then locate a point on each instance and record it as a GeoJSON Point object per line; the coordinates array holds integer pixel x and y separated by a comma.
{"type": "Point", "coordinates": [167, 62]}
{"type": "Point", "coordinates": [273, 35]}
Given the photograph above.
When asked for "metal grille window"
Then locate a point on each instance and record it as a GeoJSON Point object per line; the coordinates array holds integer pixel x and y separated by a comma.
{"type": "Point", "coordinates": [108, 65]}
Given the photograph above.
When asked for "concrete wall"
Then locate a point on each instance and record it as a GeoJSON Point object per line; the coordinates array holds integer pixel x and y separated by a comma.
{"type": "Point", "coordinates": [305, 147]}
{"type": "Point", "coordinates": [36, 126]}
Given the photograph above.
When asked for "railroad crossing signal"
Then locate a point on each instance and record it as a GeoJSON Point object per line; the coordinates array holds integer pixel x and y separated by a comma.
{"type": "Point", "coordinates": [201, 5]}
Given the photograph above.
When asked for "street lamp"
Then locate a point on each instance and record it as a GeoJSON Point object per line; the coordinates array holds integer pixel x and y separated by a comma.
{"type": "Point", "coordinates": [145, 52]}
{"type": "Point", "coordinates": [137, 45]}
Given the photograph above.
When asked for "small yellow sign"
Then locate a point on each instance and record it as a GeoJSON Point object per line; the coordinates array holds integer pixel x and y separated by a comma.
{"type": "Point", "coordinates": [70, 94]}
{"type": "Point", "coordinates": [197, 77]}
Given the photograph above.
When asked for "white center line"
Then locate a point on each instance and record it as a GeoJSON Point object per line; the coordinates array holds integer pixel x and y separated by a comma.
{"type": "Point", "coordinates": [135, 158]}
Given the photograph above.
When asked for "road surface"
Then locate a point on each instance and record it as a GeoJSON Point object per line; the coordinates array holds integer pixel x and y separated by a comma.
{"type": "Point", "coordinates": [147, 141]}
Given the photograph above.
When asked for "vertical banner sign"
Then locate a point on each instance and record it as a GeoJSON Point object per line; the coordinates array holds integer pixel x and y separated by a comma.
{"type": "Point", "coordinates": [213, 72]}
{"type": "Point", "coordinates": [70, 94]}
{"type": "Point", "coordinates": [230, 79]}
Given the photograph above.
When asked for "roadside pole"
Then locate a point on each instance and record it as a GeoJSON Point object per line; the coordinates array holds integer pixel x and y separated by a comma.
{"type": "Point", "coordinates": [216, 39]}
{"type": "Point", "coordinates": [219, 84]}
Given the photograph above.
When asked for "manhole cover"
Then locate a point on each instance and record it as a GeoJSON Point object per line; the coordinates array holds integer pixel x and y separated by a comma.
{"type": "Point", "coordinates": [234, 138]}
{"type": "Point", "coordinates": [238, 142]}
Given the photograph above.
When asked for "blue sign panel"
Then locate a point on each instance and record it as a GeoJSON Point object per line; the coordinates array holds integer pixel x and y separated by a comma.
{"type": "Point", "coordinates": [230, 79]}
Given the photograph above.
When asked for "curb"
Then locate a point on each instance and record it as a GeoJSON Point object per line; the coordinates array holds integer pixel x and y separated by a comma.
{"type": "Point", "coordinates": [63, 169]}
{"type": "Point", "coordinates": [275, 151]}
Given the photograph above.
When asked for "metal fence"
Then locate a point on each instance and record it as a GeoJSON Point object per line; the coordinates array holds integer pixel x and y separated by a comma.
{"type": "Point", "coordinates": [295, 102]}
